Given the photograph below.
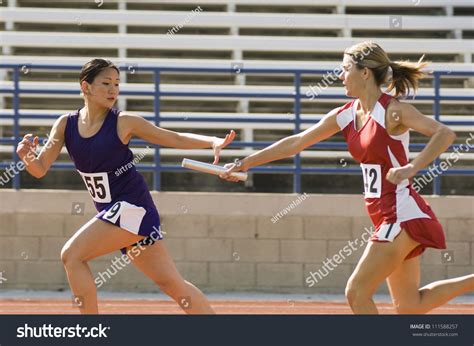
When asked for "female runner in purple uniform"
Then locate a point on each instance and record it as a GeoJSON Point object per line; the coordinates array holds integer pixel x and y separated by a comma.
{"type": "Point", "coordinates": [97, 138]}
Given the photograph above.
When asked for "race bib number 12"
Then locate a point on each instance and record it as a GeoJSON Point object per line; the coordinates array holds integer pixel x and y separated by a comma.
{"type": "Point", "coordinates": [372, 180]}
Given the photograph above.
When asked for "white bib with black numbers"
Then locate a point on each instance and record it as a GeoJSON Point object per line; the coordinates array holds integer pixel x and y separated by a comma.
{"type": "Point", "coordinates": [372, 174]}
{"type": "Point", "coordinates": [98, 186]}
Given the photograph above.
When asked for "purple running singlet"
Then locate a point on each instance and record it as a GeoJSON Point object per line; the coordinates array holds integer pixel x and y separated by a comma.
{"type": "Point", "coordinates": [107, 167]}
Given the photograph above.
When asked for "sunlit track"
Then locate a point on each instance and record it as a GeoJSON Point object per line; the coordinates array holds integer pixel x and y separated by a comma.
{"type": "Point", "coordinates": [61, 307]}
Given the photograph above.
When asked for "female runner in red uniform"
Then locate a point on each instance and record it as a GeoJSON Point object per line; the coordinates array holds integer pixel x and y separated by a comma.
{"type": "Point", "coordinates": [376, 128]}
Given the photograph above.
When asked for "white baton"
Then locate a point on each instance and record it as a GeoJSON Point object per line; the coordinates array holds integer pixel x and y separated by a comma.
{"type": "Point", "coordinates": [211, 169]}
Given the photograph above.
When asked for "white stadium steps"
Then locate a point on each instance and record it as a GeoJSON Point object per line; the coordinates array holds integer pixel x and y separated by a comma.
{"type": "Point", "coordinates": [37, 87]}
{"type": "Point", "coordinates": [230, 43]}
{"type": "Point", "coordinates": [233, 19]}
{"type": "Point", "coordinates": [28, 60]}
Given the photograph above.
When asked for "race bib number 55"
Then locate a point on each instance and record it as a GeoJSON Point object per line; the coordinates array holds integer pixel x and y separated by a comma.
{"type": "Point", "coordinates": [372, 180]}
{"type": "Point", "coordinates": [98, 186]}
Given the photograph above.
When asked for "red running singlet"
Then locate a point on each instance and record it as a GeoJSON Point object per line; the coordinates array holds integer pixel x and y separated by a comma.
{"type": "Point", "coordinates": [391, 207]}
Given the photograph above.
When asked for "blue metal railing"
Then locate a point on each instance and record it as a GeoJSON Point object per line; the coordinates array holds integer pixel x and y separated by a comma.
{"type": "Point", "coordinates": [157, 167]}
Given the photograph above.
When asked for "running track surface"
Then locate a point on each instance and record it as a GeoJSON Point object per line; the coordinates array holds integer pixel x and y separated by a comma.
{"type": "Point", "coordinates": [108, 306]}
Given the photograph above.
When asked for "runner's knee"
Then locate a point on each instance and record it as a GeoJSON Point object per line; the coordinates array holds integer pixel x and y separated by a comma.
{"type": "Point", "coordinates": [70, 254]}
{"type": "Point", "coordinates": [356, 292]}
{"type": "Point", "coordinates": [170, 285]}
{"type": "Point", "coordinates": [407, 306]}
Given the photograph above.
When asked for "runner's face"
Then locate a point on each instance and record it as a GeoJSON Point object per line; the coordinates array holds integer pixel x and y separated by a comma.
{"type": "Point", "coordinates": [104, 90]}
{"type": "Point", "coordinates": [351, 77]}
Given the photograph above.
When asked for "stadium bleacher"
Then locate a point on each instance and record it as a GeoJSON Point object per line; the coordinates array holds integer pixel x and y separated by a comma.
{"type": "Point", "coordinates": [277, 34]}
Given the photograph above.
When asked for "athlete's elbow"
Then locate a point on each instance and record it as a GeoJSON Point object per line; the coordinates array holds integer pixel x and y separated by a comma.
{"type": "Point", "coordinates": [38, 175]}
{"type": "Point", "coordinates": [38, 172]}
{"type": "Point", "coordinates": [453, 135]}
{"type": "Point", "coordinates": [449, 134]}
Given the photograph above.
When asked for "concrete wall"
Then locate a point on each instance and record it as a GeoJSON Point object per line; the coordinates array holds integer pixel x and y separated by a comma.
{"type": "Point", "coordinates": [221, 242]}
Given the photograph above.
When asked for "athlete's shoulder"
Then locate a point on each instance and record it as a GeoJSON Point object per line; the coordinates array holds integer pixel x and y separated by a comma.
{"type": "Point", "coordinates": [129, 122]}
{"type": "Point", "coordinates": [400, 107]}
{"type": "Point", "coordinates": [346, 106]}
{"type": "Point", "coordinates": [59, 127]}
{"type": "Point", "coordinates": [344, 114]}
{"type": "Point", "coordinates": [125, 114]}
{"type": "Point", "coordinates": [401, 104]}
{"type": "Point", "coordinates": [61, 122]}
{"type": "Point", "coordinates": [129, 118]}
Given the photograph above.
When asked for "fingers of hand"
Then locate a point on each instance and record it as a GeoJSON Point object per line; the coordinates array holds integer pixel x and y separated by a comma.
{"type": "Point", "coordinates": [391, 175]}
{"type": "Point", "coordinates": [229, 138]}
{"type": "Point", "coordinates": [228, 178]}
{"type": "Point", "coordinates": [225, 176]}
{"type": "Point", "coordinates": [395, 175]}
{"type": "Point", "coordinates": [26, 146]}
{"type": "Point", "coordinates": [31, 145]}
{"type": "Point", "coordinates": [26, 139]}
{"type": "Point", "coordinates": [230, 168]}
{"type": "Point", "coordinates": [24, 142]}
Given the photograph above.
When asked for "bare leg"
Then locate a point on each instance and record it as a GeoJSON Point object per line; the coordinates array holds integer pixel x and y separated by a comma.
{"type": "Point", "coordinates": [94, 239]}
{"type": "Point", "coordinates": [156, 263]}
{"type": "Point", "coordinates": [408, 298]}
{"type": "Point", "coordinates": [379, 260]}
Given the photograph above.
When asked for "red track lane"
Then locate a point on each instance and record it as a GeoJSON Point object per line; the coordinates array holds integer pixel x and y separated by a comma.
{"type": "Point", "coordinates": [60, 307]}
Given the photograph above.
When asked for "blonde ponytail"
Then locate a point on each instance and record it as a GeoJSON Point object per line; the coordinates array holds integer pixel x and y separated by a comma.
{"type": "Point", "coordinates": [400, 75]}
{"type": "Point", "coordinates": [406, 75]}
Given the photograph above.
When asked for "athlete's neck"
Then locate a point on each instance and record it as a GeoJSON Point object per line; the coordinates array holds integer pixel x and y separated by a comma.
{"type": "Point", "coordinates": [92, 114]}
{"type": "Point", "coordinates": [368, 99]}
